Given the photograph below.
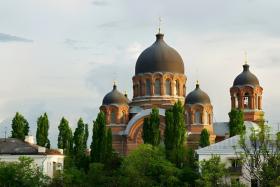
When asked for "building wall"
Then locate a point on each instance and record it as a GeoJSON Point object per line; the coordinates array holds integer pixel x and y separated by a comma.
{"type": "Point", "coordinates": [226, 158]}
{"type": "Point", "coordinates": [46, 162]}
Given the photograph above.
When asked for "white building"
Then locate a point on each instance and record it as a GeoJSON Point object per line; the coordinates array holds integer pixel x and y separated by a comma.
{"type": "Point", "coordinates": [49, 160]}
{"type": "Point", "coordinates": [228, 150]}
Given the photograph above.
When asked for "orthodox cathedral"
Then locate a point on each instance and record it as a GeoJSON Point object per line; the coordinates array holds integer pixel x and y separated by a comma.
{"type": "Point", "coordinates": [160, 81]}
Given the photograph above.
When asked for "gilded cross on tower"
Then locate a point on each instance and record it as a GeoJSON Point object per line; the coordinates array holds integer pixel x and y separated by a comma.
{"type": "Point", "coordinates": [245, 56]}
{"type": "Point", "coordinates": [159, 24]}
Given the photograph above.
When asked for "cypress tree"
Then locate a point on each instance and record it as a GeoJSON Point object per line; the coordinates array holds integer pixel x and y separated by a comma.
{"type": "Point", "coordinates": [151, 132]}
{"type": "Point", "coordinates": [236, 122]}
{"type": "Point", "coordinates": [204, 138]}
{"type": "Point", "coordinates": [109, 147]}
{"type": "Point", "coordinates": [20, 127]}
{"type": "Point", "coordinates": [65, 137]}
{"type": "Point", "coordinates": [86, 136]}
{"type": "Point", "coordinates": [146, 135]}
{"type": "Point", "coordinates": [98, 145]}
{"type": "Point", "coordinates": [42, 131]}
{"type": "Point", "coordinates": [175, 133]}
{"type": "Point", "coordinates": [79, 144]}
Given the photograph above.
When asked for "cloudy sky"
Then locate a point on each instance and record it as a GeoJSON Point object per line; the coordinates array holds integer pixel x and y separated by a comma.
{"type": "Point", "coordinates": [62, 56]}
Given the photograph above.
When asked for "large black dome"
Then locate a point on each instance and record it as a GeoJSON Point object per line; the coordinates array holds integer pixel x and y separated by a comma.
{"type": "Point", "coordinates": [197, 96]}
{"type": "Point", "coordinates": [114, 97]}
{"type": "Point", "coordinates": [246, 78]}
{"type": "Point", "coordinates": [159, 57]}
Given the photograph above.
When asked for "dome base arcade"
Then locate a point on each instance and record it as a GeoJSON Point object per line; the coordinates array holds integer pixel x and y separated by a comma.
{"type": "Point", "coordinates": [159, 89]}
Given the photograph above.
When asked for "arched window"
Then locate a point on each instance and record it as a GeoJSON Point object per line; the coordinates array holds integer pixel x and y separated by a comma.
{"type": "Point", "coordinates": [236, 101]}
{"type": "Point", "coordinates": [198, 117]}
{"type": "Point", "coordinates": [167, 87]}
{"type": "Point", "coordinates": [123, 117]}
{"type": "Point", "coordinates": [113, 117]}
{"type": "Point", "coordinates": [140, 88]}
{"type": "Point", "coordinates": [148, 87]}
{"type": "Point", "coordinates": [157, 87]}
{"type": "Point", "coordinates": [177, 89]}
{"type": "Point", "coordinates": [257, 102]}
{"type": "Point", "coordinates": [209, 119]}
{"type": "Point", "coordinates": [246, 100]}
{"type": "Point", "coordinates": [184, 90]}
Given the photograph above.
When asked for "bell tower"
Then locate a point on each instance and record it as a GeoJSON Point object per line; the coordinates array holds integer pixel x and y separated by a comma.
{"type": "Point", "coordinates": [246, 94]}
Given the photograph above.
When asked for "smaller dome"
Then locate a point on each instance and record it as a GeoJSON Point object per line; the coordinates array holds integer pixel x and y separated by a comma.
{"type": "Point", "coordinates": [197, 96]}
{"type": "Point", "coordinates": [246, 78]}
{"type": "Point", "coordinates": [115, 97]}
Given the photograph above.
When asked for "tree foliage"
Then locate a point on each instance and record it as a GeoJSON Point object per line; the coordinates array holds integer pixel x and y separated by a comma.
{"type": "Point", "coordinates": [20, 127]}
{"type": "Point", "coordinates": [42, 131]}
{"type": "Point", "coordinates": [236, 122]}
{"type": "Point", "coordinates": [204, 138]}
{"type": "Point", "coordinates": [174, 134]}
{"type": "Point", "coordinates": [101, 146]}
{"type": "Point", "coordinates": [261, 156]}
{"type": "Point", "coordinates": [213, 172]}
{"type": "Point", "coordinates": [151, 132]}
{"type": "Point", "coordinates": [147, 166]}
{"type": "Point", "coordinates": [65, 137]}
{"type": "Point", "coordinates": [22, 173]}
{"type": "Point", "coordinates": [79, 149]}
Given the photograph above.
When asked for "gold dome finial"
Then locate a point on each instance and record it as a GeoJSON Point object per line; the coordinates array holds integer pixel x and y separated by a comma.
{"type": "Point", "coordinates": [159, 24]}
{"type": "Point", "coordinates": [245, 57]}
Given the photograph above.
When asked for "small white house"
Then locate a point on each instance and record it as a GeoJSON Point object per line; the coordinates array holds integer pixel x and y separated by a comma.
{"type": "Point", "coordinates": [49, 160]}
{"type": "Point", "coordinates": [227, 150]}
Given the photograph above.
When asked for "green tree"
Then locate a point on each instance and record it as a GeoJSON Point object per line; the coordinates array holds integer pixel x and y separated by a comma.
{"type": "Point", "coordinates": [174, 134]}
{"type": "Point", "coordinates": [190, 172]}
{"type": "Point", "coordinates": [86, 135]}
{"type": "Point", "coordinates": [109, 146]}
{"type": "Point", "coordinates": [147, 166]}
{"type": "Point", "coordinates": [20, 127]}
{"type": "Point", "coordinates": [260, 155]}
{"type": "Point", "coordinates": [236, 122]}
{"type": "Point", "coordinates": [151, 132]}
{"type": "Point", "coordinates": [23, 173]}
{"type": "Point", "coordinates": [101, 146]}
{"type": "Point", "coordinates": [79, 149]}
{"type": "Point", "coordinates": [213, 172]}
{"type": "Point", "coordinates": [204, 138]}
{"type": "Point", "coordinates": [42, 131]}
{"type": "Point", "coordinates": [65, 137]}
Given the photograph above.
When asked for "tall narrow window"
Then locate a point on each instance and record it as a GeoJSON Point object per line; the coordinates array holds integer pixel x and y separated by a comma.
{"type": "Point", "coordinates": [209, 119]}
{"type": "Point", "coordinates": [246, 100]}
{"type": "Point", "coordinates": [167, 87]}
{"type": "Point", "coordinates": [177, 88]}
{"type": "Point", "coordinates": [235, 101]}
{"type": "Point", "coordinates": [198, 117]}
{"type": "Point", "coordinates": [257, 102]}
{"type": "Point", "coordinates": [113, 117]}
{"type": "Point", "coordinates": [157, 87]}
{"type": "Point", "coordinates": [148, 87]}
{"type": "Point", "coordinates": [123, 117]}
{"type": "Point", "coordinates": [140, 88]}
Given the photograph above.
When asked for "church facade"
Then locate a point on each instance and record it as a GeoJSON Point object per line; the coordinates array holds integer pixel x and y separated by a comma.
{"type": "Point", "coordinates": [160, 81]}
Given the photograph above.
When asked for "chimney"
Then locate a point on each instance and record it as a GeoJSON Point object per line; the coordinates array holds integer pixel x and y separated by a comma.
{"type": "Point", "coordinates": [29, 139]}
{"type": "Point", "coordinates": [41, 149]}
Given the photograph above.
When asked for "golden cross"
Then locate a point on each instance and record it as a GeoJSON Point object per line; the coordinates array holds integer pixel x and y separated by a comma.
{"type": "Point", "coordinates": [245, 56]}
{"type": "Point", "coordinates": [159, 24]}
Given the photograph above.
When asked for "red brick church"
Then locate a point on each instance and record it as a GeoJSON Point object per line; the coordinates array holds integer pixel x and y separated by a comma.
{"type": "Point", "coordinates": [160, 81]}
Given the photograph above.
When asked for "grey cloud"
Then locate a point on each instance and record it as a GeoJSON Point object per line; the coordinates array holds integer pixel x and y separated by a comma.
{"type": "Point", "coordinates": [76, 44]}
{"type": "Point", "coordinates": [111, 24]}
{"type": "Point", "coordinates": [100, 3]}
{"type": "Point", "coordinates": [11, 38]}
